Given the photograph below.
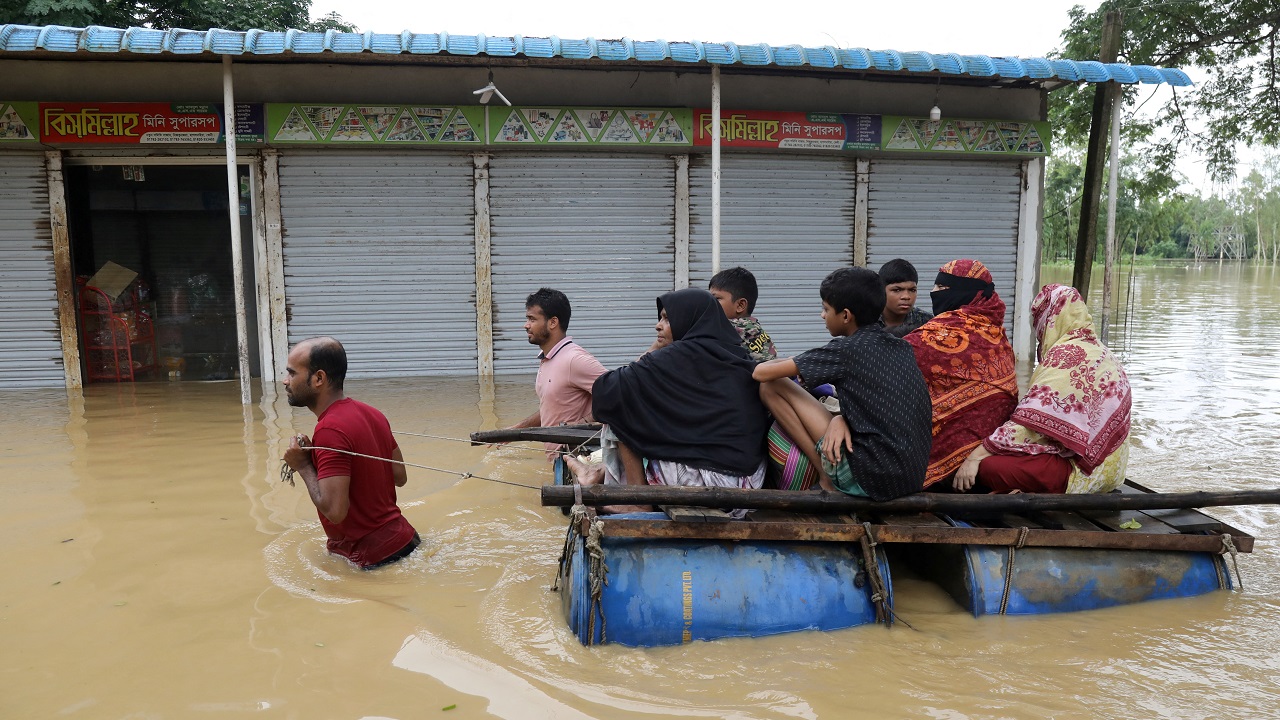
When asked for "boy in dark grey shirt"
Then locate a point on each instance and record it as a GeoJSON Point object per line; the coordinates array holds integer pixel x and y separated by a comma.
{"type": "Point", "coordinates": [885, 413]}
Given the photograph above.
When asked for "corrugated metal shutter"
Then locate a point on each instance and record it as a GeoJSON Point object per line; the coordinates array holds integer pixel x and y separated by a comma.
{"type": "Point", "coordinates": [379, 252]}
{"type": "Point", "coordinates": [933, 211]}
{"type": "Point", "coordinates": [30, 340]}
{"type": "Point", "coordinates": [787, 219]}
{"type": "Point", "coordinates": [597, 227]}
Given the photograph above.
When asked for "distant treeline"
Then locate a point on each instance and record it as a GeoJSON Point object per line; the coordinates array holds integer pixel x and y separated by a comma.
{"type": "Point", "coordinates": [1157, 223]}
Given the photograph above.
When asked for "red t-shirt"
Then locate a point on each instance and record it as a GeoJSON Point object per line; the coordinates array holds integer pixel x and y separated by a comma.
{"type": "Point", "coordinates": [374, 528]}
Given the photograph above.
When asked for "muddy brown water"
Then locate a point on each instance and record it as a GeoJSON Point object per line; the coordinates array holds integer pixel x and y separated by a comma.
{"type": "Point", "coordinates": [157, 568]}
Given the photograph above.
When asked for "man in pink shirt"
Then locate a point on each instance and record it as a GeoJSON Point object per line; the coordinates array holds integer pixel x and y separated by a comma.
{"type": "Point", "coordinates": [566, 371]}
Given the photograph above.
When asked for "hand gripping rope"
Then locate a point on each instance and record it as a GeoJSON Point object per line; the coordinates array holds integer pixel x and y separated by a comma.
{"type": "Point", "coordinates": [286, 472]}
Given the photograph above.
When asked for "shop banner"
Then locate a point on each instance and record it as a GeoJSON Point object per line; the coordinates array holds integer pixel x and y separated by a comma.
{"type": "Point", "coordinates": [976, 137]}
{"type": "Point", "coordinates": [16, 121]}
{"type": "Point", "coordinates": [789, 130]}
{"type": "Point", "coordinates": [145, 123]}
{"type": "Point", "coordinates": [591, 126]}
{"type": "Point", "coordinates": [374, 124]}
{"type": "Point", "coordinates": [844, 131]}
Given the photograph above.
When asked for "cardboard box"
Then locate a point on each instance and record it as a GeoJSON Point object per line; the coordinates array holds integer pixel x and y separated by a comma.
{"type": "Point", "coordinates": [113, 279]}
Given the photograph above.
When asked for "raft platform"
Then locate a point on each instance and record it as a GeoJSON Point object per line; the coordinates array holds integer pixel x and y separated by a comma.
{"type": "Point", "coordinates": [692, 573]}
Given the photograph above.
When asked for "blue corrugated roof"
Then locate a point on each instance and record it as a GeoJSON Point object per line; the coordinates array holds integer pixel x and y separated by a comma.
{"type": "Point", "coordinates": [24, 38]}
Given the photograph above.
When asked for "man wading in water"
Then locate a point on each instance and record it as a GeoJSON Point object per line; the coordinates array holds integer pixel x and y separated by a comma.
{"type": "Point", "coordinates": [354, 496]}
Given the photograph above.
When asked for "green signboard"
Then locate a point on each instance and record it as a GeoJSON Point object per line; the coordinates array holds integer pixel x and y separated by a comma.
{"type": "Point", "coordinates": [289, 124]}
{"type": "Point", "coordinates": [976, 137]}
{"type": "Point", "coordinates": [18, 122]}
{"type": "Point", "coordinates": [591, 126]}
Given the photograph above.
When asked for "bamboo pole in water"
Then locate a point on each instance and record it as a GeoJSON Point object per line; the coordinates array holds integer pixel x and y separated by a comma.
{"type": "Point", "coordinates": [835, 503]}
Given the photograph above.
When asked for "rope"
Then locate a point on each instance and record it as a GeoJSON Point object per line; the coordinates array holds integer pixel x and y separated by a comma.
{"type": "Point", "coordinates": [577, 514]}
{"type": "Point", "coordinates": [598, 573]}
{"type": "Point", "coordinates": [286, 472]}
{"type": "Point", "coordinates": [1008, 568]}
{"type": "Point", "coordinates": [879, 595]}
{"type": "Point", "coordinates": [597, 570]}
{"type": "Point", "coordinates": [1229, 546]}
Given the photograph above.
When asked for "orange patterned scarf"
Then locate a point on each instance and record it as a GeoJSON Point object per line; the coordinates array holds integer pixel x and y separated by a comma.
{"type": "Point", "coordinates": [968, 365]}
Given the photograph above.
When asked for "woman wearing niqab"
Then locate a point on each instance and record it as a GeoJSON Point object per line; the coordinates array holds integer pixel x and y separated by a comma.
{"type": "Point", "coordinates": [967, 362]}
{"type": "Point", "coordinates": [690, 408]}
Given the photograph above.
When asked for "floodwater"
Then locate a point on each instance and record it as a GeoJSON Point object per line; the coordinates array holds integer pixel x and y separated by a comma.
{"type": "Point", "coordinates": [159, 569]}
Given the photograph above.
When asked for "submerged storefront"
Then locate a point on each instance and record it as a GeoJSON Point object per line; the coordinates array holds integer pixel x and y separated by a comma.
{"type": "Point", "coordinates": [381, 205]}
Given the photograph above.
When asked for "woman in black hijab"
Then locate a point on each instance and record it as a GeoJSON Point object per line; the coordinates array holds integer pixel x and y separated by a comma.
{"type": "Point", "coordinates": [691, 408]}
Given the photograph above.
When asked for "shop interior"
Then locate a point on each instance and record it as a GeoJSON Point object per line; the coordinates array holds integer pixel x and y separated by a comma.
{"type": "Point", "coordinates": [151, 250]}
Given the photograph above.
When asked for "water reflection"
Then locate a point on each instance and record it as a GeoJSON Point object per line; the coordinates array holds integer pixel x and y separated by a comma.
{"type": "Point", "coordinates": [193, 582]}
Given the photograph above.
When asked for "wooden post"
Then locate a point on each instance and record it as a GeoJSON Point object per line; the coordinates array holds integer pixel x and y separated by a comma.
{"type": "Point", "coordinates": [63, 277]}
{"type": "Point", "coordinates": [1113, 189]}
{"type": "Point", "coordinates": [715, 169]}
{"type": "Point", "coordinates": [862, 178]}
{"type": "Point", "coordinates": [237, 253]}
{"type": "Point", "coordinates": [484, 269]}
{"type": "Point", "coordinates": [682, 223]}
{"type": "Point", "coordinates": [273, 218]}
{"type": "Point", "coordinates": [1091, 193]}
{"type": "Point", "coordinates": [1027, 273]}
{"type": "Point", "coordinates": [262, 281]}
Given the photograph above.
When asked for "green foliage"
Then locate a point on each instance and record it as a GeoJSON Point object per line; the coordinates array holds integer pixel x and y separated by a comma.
{"type": "Point", "coordinates": [165, 14]}
{"type": "Point", "coordinates": [1158, 222]}
{"type": "Point", "coordinates": [1233, 41]}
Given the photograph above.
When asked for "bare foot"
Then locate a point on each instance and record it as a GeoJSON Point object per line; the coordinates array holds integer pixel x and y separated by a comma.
{"type": "Point", "coordinates": [584, 473]}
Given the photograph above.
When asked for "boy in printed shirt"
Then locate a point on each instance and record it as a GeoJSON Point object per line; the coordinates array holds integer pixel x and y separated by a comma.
{"type": "Point", "coordinates": [736, 290]}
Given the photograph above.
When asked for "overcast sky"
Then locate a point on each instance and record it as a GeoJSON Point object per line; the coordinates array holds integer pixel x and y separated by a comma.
{"type": "Point", "coordinates": [1024, 29]}
{"type": "Point", "coordinates": [1027, 29]}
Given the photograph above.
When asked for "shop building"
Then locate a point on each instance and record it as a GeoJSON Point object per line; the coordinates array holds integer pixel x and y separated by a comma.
{"type": "Point", "coordinates": [381, 203]}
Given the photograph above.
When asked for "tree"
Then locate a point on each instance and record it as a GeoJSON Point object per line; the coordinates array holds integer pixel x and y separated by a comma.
{"type": "Point", "coordinates": [1233, 41]}
{"type": "Point", "coordinates": [166, 14]}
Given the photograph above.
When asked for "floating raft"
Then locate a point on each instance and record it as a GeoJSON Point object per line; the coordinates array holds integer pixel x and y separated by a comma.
{"type": "Point", "coordinates": [691, 573]}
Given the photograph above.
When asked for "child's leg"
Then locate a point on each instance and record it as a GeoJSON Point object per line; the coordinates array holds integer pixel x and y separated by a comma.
{"type": "Point", "coordinates": [801, 417]}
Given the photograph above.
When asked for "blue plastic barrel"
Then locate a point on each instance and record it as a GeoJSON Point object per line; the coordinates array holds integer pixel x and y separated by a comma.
{"type": "Point", "coordinates": [1053, 580]}
{"type": "Point", "coordinates": [667, 592]}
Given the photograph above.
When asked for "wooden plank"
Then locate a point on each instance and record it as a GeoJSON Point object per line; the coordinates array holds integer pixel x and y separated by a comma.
{"type": "Point", "coordinates": [923, 534]}
{"type": "Point", "coordinates": [1185, 520]}
{"type": "Point", "coordinates": [688, 514]}
{"type": "Point", "coordinates": [668, 530]}
{"type": "Point", "coordinates": [1018, 521]}
{"type": "Point", "coordinates": [914, 520]}
{"type": "Point", "coordinates": [1063, 520]}
{"type": "Point", "coordinates": [1116, 520]}
{"type": "Point", "coordinates": [1101, 539]}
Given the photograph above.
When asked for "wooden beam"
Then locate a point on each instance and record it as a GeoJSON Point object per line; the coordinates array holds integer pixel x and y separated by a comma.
{"type": "Point", "coordinates": [572, 435]}
{"type": "Point", "coordinates": [837, 503]}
